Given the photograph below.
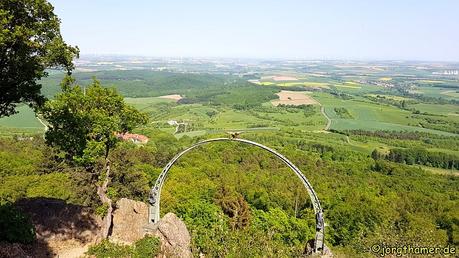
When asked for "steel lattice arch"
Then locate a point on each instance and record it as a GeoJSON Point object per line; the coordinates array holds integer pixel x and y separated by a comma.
{"type": "Point", "coordinates": [155, 193]}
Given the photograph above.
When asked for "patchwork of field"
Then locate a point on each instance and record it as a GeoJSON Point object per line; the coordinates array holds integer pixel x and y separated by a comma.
{"type": "Point", "coordinates": [371, 116]}
{"type": "Point", "coordinates": [205, 118]}
{"type": "Point", "coordinates": [218, 104]}
{"type": "Point", "coordinates": [351, 85]}
{"type": "Point", "coordinates": [215, 104]}
{"type": "Point", "coordinates": [294, 98]}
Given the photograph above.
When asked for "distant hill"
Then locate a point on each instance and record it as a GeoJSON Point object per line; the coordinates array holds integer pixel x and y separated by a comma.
{"type": "Point", "coordinates": [197, 88]}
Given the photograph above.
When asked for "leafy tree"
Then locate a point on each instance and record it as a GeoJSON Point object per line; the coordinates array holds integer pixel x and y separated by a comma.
{"type": "Point", "coordinates": [83, 124]}
{"type": "Point", "coordinates": [30, 42]}
{"type": "Point", "coordinates": [234, 206]}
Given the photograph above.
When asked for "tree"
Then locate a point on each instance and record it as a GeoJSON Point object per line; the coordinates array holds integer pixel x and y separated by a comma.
{"type": "Point", "coordinates": [83, 123]}
{"type": "Point", "coordinates": [234, 206]}
{"type": "Point", "coordinates": [30, 42]}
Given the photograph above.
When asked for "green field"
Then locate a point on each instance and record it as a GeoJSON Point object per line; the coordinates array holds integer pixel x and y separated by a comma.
{"type": "Point", "coordinates": [142, 103]}
{"type": "Point", "coordinates": [438, 92]}
{"type": "Point", "coordinates": [447, 109]}
{"type": "Point", "coordinates": [22, 122]}
{"type": "Point", "coordinates": [369, 116]}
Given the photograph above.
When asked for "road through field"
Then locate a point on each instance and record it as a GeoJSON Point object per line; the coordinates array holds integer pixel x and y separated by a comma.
{"type": "Point", "coordinates": [322, 109]}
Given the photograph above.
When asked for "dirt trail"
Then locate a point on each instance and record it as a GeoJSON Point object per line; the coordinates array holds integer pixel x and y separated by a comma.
{"type": "Point", "coordinates": [322, 110]}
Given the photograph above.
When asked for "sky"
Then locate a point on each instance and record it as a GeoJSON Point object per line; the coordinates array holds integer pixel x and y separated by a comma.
{"type": "Point", "coordinates": [304, 29]}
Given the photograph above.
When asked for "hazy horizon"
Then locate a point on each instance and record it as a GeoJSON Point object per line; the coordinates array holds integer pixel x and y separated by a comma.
{"type": "Point", "coordinates": [147, 56]}
{"type": "Point", "coordinates": [305, 30]}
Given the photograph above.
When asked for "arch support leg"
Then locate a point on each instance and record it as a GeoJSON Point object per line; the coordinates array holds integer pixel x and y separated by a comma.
{"type": "Point", "coordinates": [153, 216]}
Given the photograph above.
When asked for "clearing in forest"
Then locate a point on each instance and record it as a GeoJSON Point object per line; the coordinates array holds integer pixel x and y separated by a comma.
{"type": "Point", "coordinates": [294, 98]}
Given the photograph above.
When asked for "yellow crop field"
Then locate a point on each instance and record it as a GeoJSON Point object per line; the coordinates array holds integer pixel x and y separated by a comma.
{"type": "Point", "coordinates": [431, 81]}
{"type": "Point", "coordinates": [398, 98]}
{"type": "Point", "coordinates": [267, 83]}
{"type": "Point", "coordinates": [351, 83]}
{"type": "Point", "coordinates": [347, 86]}
{"type": "Point", "coordinates": [311, 84]}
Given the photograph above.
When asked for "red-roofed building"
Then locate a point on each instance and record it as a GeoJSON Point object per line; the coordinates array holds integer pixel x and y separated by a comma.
{"type": "Point", "coordinates": [135, 138]}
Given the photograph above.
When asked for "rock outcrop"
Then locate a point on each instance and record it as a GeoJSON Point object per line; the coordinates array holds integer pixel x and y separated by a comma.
{"type": "Point", "coordinates": [129, 221]}
{"type": "Point", "coordinates": [174, 236]}
{"type": "Point", "coordinates": [308, 251]}
{"type": "Point", "coordinates": [62, 229]}
{"type": "Point", "coordinates": [66, 230]}
{"type": "Point", "coordinates": [56, 220]}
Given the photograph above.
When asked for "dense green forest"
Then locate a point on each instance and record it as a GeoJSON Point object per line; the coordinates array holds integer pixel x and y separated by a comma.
{"type": "Point", "coordinates": [365, 201]}
{"type": "Point", "coordinates": [211, 89]}
{"type": "Point", "coordinates": [422, 157]}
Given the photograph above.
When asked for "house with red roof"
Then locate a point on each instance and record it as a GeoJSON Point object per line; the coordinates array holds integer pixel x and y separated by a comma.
{"type": "Point", "coordinates": [135, 138]}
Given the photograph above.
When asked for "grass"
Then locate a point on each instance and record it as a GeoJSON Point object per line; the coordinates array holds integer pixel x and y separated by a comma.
{"type": "Point", "coordinates": [446, 109]}
{"type": "Point", "coordinates": [191, 134]}
{"type": "Point", "coordinates": [142, 103]}
{"type": "Point", "coordinates": [23, 122]}
{"type": "Point", "coordinates": [440, 171]}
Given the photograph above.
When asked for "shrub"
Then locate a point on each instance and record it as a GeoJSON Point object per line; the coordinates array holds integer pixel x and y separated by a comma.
{"type": "Point", "coordinates": [106, 249]}
{"type": "Point", "coordinates": [146, 247]}
{"type": "Point", "coordinates": [143, 248]}
{"type": "Point", "coordinates": [15, 226]}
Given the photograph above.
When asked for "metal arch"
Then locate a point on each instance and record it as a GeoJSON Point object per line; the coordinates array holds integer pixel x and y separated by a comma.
{"type": "Point", "coordinates": [155, 193]}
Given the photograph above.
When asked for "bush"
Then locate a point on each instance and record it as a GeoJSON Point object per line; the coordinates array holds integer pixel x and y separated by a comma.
{"type": "Point", "coordinates": [15, 226]}
{"type": "Point", "coordinates": [106, 249]}
{"type": "Point", "coordinates": [146, 247]}
{"type": "Point", "coordinates": [143, 248]}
